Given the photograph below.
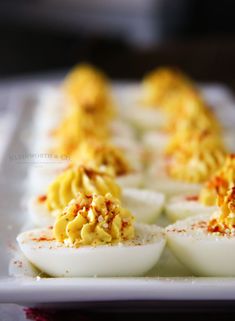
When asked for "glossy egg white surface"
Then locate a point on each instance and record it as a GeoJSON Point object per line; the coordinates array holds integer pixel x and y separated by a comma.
{"type": "Point", "coordinates": [132, 258]}
{"type": "Point", "coordinates": [204, 253]}
{"type": "Point", "coordinates": [181, 207]}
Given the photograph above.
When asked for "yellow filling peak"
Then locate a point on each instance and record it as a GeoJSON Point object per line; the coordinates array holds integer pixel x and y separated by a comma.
{"type": "Point", "coordinates": [102, 156]}
{"type": "Point", "coordinates": [195, 158]}
{"type": "Point", "coordinates": [94, 220]}
{"type": "Point", "coordinates": [88, 88]}
{"type": "Point", "coordinates": [219, 183]}
{"type": "Point", "coordinates": [79, 179]}
{"type": "Point", "coordinates": [224, 221]}
{"type": "Point", "coordinates": [161, 83]}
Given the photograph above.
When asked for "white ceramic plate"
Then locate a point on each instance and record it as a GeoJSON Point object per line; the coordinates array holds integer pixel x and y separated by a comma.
{"type": "Point", "coordinates": [168, 281]}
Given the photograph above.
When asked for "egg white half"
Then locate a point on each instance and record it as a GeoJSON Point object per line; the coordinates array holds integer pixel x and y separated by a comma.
{"type": "Point", "coordinates": [204, 253]}
{"type": "Point", "coordinates": [131, 258]}
{"type": "Point", "coordinates": [179, 208]}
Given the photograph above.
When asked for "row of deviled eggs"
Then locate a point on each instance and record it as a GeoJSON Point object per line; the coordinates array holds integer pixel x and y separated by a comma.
{"type": "Point", "coordinates": [96, 210]}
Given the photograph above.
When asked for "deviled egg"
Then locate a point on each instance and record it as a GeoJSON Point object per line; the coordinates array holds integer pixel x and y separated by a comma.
{"type": "Point", "coordinates": [93, 236]}
{"type": "Point", "coordinates": [124, 161]}
{"type": "Point", "coordinates": [85, 88]}
{"type": "Point", "coordinates": [205, 243]}
{"type": "Point", "coordinates": [87, 104]}
{"type": "Point", "coordinates": [125, 166]}
{"type": "Point", "coordinates": [187, 163]}
{"type": "Point", "coordinates": [187, 112]}
{"type": "Point", "coordinates": [43, 209]}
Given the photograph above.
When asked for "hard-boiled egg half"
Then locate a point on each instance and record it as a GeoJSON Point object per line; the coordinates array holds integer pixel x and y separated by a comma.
{"type": "Point", "coordinates": [93, 236]}
{"type": "Point", "coordinates": [180, 207]}
{"type": "Point", "coordinates": [205, 243]}
{"type": "Point", "coordinates": [146, 205]}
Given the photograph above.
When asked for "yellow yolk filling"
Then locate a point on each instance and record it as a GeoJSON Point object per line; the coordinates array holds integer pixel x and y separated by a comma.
{"type": "Point", "coordinates": [224, 221]}
{"type": "Point", "coordinates": [102, 156]}
{"type": "Point", "coordinates": [161, 83]}
{"type": "Point", "coordinates": [94, 220]}
{"type": "Point", "coordinates": [223, 179]}
{"type": "Point", "coordinates": [79, 179]}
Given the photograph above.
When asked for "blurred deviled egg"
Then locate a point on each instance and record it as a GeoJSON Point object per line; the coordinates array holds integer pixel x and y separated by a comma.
{"type": "Point", "coordinates": [121, 161]}
{"type": "Point", "coordinates": [146, 107]}
{"type": "Point", "coordinates": [189, 161]}
{"type": "Point", "coordinates": [125, 165]}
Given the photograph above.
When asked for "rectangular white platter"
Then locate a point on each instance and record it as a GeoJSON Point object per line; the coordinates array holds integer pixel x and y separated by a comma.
{"type": "Point", "coordinates": [157, 285]}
